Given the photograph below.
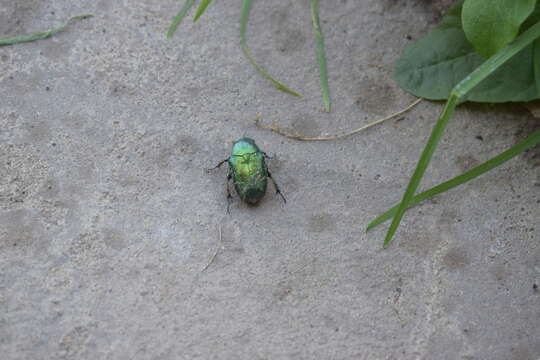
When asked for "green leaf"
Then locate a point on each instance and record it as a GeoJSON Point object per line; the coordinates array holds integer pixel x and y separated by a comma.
{"type": "Point", "coordinates": [490, 25]}
{"type": "Point", "coordinates": [463, 178]}
{"type": "Point", "coordinates": [179, 17]}
{"type": "Point", "coordinates": [246, 8]}
{"type": "Point", "coordinates": [321, 53]}
{"type": "Point", "coordinates": [422, 165]}
{"type": "Point", "coordinates": [202, 7]}
{"type": "Point", "coordinates": [536, 46]}
{"type": "Point", "coordinates": [42, 35]}
{"type": "Point", "coordinates": [432, 66]}
{"type": "Point", "coordinates": [534, 18]}
{"type": "Point", "coordinates": [463, 88]}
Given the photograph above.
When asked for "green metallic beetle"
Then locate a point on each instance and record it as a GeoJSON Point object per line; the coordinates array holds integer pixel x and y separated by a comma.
{"type": "Point", "coordinates": [248, 171]}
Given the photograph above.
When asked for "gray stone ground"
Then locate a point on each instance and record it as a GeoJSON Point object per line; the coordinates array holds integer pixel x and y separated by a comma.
{"type": "Point", "coordinates": [107, 217]}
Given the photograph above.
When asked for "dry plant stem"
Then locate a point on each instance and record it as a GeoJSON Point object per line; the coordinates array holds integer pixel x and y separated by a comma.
{"type": "Point", "coordinates": [216, 252]}
{"type": "Point", "coordinates": [301, 137]}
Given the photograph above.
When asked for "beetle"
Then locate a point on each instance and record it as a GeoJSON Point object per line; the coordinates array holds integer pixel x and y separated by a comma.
{"type": "Point", "coordinates": [248, 171]}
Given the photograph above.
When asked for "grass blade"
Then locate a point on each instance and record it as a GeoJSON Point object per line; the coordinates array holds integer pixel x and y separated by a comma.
{"type": "Point", "coordinates": [42, 35]}
{"type": "Point", "coordinates": [243, 44]}
{"type": "Point", "coordinates": [461, 89]}
{"type": "Point", "coordinates": [179, 17]}
{"type": "Point", "coordinates": [202, 7]}
{"type": "Point", "coordinates": [422, 165]}
{"type": "Point", "coordinates": [321, 55]}
{"type": "Point", "coordinates": [463, 178]}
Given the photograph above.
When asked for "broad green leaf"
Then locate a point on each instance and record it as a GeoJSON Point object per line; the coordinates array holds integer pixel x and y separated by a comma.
{"type": "Point", "coordinates": [536, 46]}
{"type": "Point", "coordinates": [492, 24]}
{"type": "Point", "coordinates": [432, 66]}
{"type": "Point", "coordinates": [533, 19]}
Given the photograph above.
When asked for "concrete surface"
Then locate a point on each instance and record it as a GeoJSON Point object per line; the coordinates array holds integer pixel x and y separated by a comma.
{"type": "Point", "coordinates": [107, 217]}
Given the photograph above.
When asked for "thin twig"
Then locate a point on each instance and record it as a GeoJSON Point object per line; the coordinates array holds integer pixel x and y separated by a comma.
{"type": "Point", "coordinates": [216, 252]}
{"type": "Point", "coordinates": [301, 137]}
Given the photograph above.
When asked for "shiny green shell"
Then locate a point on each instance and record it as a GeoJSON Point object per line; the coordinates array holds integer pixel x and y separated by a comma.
{"type": "Point", "coordinates": [248, 170]}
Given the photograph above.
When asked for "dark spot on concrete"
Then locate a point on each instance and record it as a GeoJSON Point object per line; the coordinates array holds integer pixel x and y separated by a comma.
{"type": "Point", "coordinates": [447, 218]}
{"type": "Point", "coordinates": [21, 229]}
{"type": "Point", "coordinates": [56, 50]}
{"type": "Point", "coordinates": [371, 95]}
{"type": "Point", "coordinates": [521, 352]}
{"type": "Point", "coordinates": [39, 131]}
{"type": "Point", "coordinates": [282, 292]}
{"type": "Point", "coordinates": [173, 148]}
{"type": "Point", "coordinates": [321, 223]}
{"type": "Point", "coordinates": [290, 40]}
{"type": "Point", "coordinates": [535, 287]}
{"type": "Point", "coordinates": [114, 239]}
{"type": "Point", "coordinates": [21, 174]}
{"type": "Point", "coordinates": [17, 16]}
{"type": "Point", "coordinates": [440, 341]}
{"type": "Point", "coordinates": [532, 155]}
{"type": "Point", "coordinates": [118, 88]}
{"type": "Point", "coordinates": [419, 243]}
{"type": "Point", "coordinates": [389, 4]}
{"type": "Point", "coordinates": [193, 91]}
{"type": "Point", "coordinates": [479, 137]}
{"type": "Point", "coordinates": [466, 162]}
{"type": "Point", "coordinates": [305, 124]}
{"type": "Point", "coordinates": [433, 9]}
{"type": "Point", "coordinates": [289, 36]}
{"type": "Point", "coordinates": [74, 343]}
{"type": "Point", "coordinates": [88, 248]}
{"type": "Point", "coordinates": [456, 258]}
{"type": "Point", "coordinates": [499, 272]}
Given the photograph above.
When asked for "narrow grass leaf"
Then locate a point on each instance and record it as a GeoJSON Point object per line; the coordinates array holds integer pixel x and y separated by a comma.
{"type": "Point", "coordinates": [42, 35]}
{"type": "Point", "coordinates": [202, 7]}
{"type": "Point", "coordinates": [500, 159]}
{"type": "Point", "coordinates": [422, 165]}
{"type": "Point", "coordinates": [243, 44]}
{"type": "Point", "coordinates": [321, 55]}
{"type": "Point", "coordinates": [460, 90]}
{"type": "Point", "coordinates": [179, 17]}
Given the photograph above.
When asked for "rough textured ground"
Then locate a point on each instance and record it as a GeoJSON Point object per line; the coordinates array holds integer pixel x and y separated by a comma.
{"type": "Point", "coordinates": [107, 217]}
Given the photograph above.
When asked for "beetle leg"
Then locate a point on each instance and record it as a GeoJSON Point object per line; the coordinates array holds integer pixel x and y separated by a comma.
{"type": "Point", "coordinates": [268, 156]}
{"type": "Point", "coordinates": [229, 196]}
{"type": "Point", "coordinates": [218, 165]}
{"type": "Point", "coordinates": [277, 187]}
